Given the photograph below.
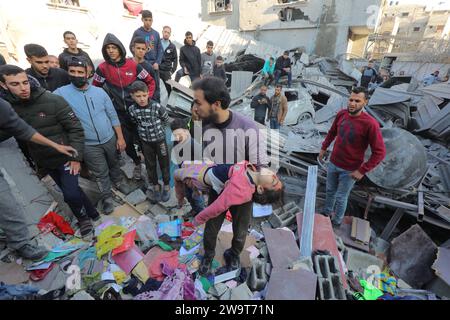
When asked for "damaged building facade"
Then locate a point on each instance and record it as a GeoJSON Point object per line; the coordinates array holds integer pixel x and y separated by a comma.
{"type": "Point", "coordinates": [326, 27]}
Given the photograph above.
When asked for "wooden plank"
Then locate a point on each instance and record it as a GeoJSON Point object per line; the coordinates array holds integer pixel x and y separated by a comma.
{"type": "Point", "coordinates": [122, 197]}
{"type": "Point", "coordinates": [344, 231]}
{"type": "Point", "coordinates": [282, 247]}
{"type": "Point", "coordinates": [291, 285]}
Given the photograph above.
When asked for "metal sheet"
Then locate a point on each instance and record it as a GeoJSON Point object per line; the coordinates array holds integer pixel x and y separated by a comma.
{"type": "Point", "coordinates": [405, 161]}
{"type": "Point", "coordinates": [309, 210]}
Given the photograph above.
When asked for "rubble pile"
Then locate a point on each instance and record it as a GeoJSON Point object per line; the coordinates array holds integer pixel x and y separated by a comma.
{"type": "Point", "coordinates": [146, 251]}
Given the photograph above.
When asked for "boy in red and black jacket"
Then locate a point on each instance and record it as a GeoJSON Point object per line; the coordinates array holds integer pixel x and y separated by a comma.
{"type": "Point", "coordinates": [115, 75]}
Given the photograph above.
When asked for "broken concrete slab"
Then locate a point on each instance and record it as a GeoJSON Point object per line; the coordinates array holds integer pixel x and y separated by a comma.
{"type": "Point", "coordinates": [442, 265]}
{"type": "Point", "coordinates": [363, 263]}
{"type": "Point", "coordinates": [412, 255]}
{"type": "Point", "coordinates": [282, 247]}
{"type": "Point", "coordinates": [218, 289]}
{"type": "Point", "coordinates": [291, 285]}
{"type": "Point", "coordinates": [13, 273]}
{"type": "Point", "coordinates": [136, 197]}
{"type": "Point", "coordinates": [241, 292]}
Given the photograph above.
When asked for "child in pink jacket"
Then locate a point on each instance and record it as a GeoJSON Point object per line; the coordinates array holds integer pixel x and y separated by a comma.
{"type": "Point", "coordinates": [235, 184]}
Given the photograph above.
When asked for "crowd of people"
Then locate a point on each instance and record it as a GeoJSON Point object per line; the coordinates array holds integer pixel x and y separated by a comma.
{"type": "Point", "coordinates": [91, 115]}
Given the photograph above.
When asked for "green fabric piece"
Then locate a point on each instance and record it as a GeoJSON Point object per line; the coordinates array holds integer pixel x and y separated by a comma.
{"type": "Point", "coordinates": [215, 264]}
{"type": "Point", "coordinates": [55, 255]}
{"type": "Point", "coordinates": [164, 246]}
{"type": "Point", "coordinates": [370, 292]}
{"type": "Point", "coordinates": [89, 279]}
{"type": "Point", "coordinates": [205, 283]}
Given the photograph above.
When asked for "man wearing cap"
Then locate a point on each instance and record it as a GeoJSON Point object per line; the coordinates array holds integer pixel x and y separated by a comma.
{"type": "Point", "coordinates": [103, 133]}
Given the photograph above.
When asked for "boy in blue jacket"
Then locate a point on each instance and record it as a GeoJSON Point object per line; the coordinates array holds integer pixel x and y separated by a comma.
{"type": "Point", "coordinates": [103, 133]}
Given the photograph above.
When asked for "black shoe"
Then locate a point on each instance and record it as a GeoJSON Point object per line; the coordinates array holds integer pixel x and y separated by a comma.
{"type": "Point", "coordinates": [32, 252]}
{"type": "Point", "coordinates": [151, 196]}
{"type": "Point", "coordinates": [205, 266]}
{"type": "Point", "coordinates": [108, 206]}
{"type": "Point", "coordinates": [86, 227]}
{"type": "Point", "coordinates": [165, 195]}
{"type": "Point", "coordinates": [232, 261]}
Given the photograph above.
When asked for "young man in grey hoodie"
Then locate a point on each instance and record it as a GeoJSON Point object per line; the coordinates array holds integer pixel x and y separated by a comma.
{"type": "Point", "coordinates": [208, 60]}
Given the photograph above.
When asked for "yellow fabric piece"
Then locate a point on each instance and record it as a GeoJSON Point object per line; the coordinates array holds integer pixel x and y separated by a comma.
{"type": "Point", "coordinates": [109, 239]}
{"type": "Point", "coordinates": [119, 276]}
{"type": "Point", "coordinates": [141, 272]}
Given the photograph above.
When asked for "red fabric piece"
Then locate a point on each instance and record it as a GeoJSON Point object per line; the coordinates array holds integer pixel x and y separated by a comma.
{"type": "Point", "coordinates": [155, 266]}
{"type": "Point", "coordinates": [127, 244]}
{"type": "Point", "coordinates": [188, 229]}
{"type": "Point", "coordinates": [52, 218]}
{"type": "Point", "coordinates": [353, 136]}
{"type": "Point", "coordinates": [229, 217]}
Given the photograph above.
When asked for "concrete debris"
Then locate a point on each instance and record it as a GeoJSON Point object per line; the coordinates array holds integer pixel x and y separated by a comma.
{"type": "Point", "coordinates": [412, 255]}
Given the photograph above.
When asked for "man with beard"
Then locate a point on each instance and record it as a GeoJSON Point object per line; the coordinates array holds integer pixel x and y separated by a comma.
{"type": "Point", "coordinates": [212, 101]}
{"type": "Point", "coordinates": [52, 117]}
{"type": "Point", "coordinates": [49, 78]}
{"type": "Point", "coordinates": [354, 131]}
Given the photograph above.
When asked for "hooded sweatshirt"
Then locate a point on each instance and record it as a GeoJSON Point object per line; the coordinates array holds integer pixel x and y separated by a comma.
{"type": "Point", "coordinates": [116, 77]}
{"type": "Point", "coordinates": [65, 57]}
{"type": "Point", "coordinates": [191, 58]}
{"type": "Point", "coordinates": [52, 117]}
{"type": "Point", "coordinates": [208, 62]}
{"type": "Point", "coordinates": [153, 41]}
{"type": "Point", "coordinates": [94, 109]}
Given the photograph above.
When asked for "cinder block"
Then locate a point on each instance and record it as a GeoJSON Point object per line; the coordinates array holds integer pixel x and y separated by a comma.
{"type": "Point", "coordinates": [329, 278]}
{"type": "Point", "coordinates": [285, 216]}
{"type": "Point", "coordinates": [331, 289]}
{"type": "Point", "coordinates": [258, 277]}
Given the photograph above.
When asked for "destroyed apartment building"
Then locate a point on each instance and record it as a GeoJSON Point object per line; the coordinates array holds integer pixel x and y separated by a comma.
{"type": "Point", "coordinates": [394, 242]}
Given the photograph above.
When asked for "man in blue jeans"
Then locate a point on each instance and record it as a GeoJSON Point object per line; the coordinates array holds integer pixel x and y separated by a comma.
{"type": "Point", "coordinates": [354, 130]}
{"type": "Point", "coordinates": [283, 68]}
{"type": "Point", "coordinates": [53, 118]}
{"type": "Point", "coordinates": [277, 108]}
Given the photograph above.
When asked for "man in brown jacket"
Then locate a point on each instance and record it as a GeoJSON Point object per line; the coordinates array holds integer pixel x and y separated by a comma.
{"type": "Point", "coordinates": [278, 108]}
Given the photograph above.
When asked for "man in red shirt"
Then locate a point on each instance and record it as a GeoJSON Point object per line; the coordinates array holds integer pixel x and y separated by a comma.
{"type": "Point", "coordinates": [354, 130]}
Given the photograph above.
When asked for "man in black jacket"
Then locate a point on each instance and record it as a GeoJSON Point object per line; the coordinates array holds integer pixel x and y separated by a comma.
{"type": "Point", "coordinates": [190, 59]}
{"type": "Point", "coordinates": [52, 117]}
{"type": "Point", "coordinates": [169, 62]}
{"type": "Point", "coordinates": [49, 78]}
{"type": "Point", "coordinates": [12, 216]}
{"type": "Point", "coordinates": [71, 51]}
{"type": "Point", "coordinates": [261, 104]}
{"type": "Point", "coordinates": [283, 68]}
